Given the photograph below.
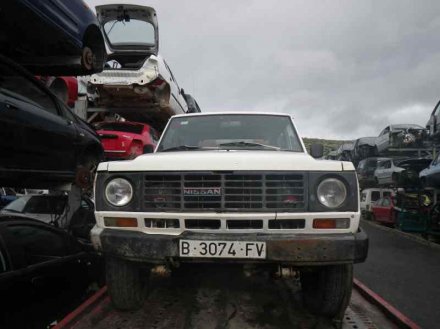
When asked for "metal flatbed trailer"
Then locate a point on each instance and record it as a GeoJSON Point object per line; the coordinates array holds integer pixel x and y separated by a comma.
{"type": "Point", "coordinates": [213, 298]}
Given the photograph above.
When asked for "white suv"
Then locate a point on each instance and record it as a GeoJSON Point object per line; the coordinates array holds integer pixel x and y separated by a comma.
{"type": "Point", "coordinates": [231, 187]}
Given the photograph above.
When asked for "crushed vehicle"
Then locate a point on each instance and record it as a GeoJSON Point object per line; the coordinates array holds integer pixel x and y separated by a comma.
{"type": "Point", "coordinates": [231, 187]}
{"type": "Point", "coordinates": [44, 144]}
{"type": "Point", "coordinates": [65, 40]}
{"type": "Point", "coordinates": [400, 172]}
{"type": "Point", "coordinates": [125, 139]}
{"type": "Point", "coordinates": [37, 261]}
{"type": "Point", "coordinates": [136, 82]}
{"type": "Point", "coordinates": [364, 147]}
{"type": "Point", "coordinates": [345, 151]}
{"type": "Point", "coordinates": [430, 176]}
{"type": "Point", "coordinates": [365, 170]}
{"type": "Point", "coordinates": [400, 136]}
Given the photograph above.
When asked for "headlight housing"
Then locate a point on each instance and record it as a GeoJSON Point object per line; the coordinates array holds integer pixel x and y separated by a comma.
{"type": "Point", "coordinates": [119, 192]}
{"type": "Point", "coordinates": [331, 192]}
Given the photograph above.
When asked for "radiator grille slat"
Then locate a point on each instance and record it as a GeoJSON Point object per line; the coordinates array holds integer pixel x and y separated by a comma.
{"type": "Point", "coordinates": [224, 192]}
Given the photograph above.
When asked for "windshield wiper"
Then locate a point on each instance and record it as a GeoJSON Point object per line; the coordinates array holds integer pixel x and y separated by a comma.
{"type": "Point", "coordinates": [251, 144]}
{"type": "Point", "coordinates": [182, 148]}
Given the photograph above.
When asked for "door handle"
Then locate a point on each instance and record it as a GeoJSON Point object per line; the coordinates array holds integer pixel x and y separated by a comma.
{"type": "Point", "coordinates": [69, 122]}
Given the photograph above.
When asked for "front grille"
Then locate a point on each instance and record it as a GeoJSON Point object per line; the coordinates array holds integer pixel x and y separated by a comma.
{"type": "Point", "coordinates": [224, 192]}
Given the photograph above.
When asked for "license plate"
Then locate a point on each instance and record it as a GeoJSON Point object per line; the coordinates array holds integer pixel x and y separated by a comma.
{"type": "Point", "coordinates": [222, 249]}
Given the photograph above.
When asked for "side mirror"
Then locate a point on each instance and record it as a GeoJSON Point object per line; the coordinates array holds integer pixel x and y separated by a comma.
{"type": "Point", "coordinates": [317, 150]}
{"type": "Point", "coordinates": [148, 149]}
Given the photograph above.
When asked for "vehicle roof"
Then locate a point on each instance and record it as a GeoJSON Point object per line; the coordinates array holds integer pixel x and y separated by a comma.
{"type": "Point", "coordinates": [406, 125]}
{"type": "Point", "coordinates": [133, 123]}
{"type": "Point", "coordinates": [232, 113]}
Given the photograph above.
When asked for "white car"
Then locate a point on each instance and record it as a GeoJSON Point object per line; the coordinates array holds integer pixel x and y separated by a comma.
{"type": "Point", "coordinates": [370, 196]}
{"type": "Point", "coordinates": [231, 187]}
{"type": "Point", "coordinates": [400, 171]}
{"type": "Point", "coordinates": [136, 82]}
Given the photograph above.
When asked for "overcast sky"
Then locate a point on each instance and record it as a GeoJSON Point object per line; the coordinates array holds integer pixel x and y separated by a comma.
{"type": "Point", "coordinates": [343, 69]}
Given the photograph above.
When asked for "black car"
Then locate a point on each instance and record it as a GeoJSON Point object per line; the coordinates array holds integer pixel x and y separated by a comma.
{"type": "Point", "coordinates": [39, 262]}
{"type": "Point", "coordinates": [42, 142]}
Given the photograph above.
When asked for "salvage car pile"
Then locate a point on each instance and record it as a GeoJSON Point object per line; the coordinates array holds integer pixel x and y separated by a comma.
{"type": "Point", "coordinates": [399, 174]}
{"type": "Point", "coordinates": [51, 147]}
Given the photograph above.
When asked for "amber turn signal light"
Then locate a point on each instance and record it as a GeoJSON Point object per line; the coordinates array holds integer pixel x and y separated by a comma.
{"type": "Point", "coordinates": [331, 223]}
{"type": "Point", "coordinates": [120, 222]}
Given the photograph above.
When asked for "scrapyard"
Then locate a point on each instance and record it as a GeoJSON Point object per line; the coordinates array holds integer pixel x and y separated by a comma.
{"type": "Point", "coordinates": [126, 204]}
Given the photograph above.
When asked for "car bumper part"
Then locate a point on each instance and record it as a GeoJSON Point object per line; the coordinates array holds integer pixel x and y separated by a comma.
{"type": "Point", "coordinates": [289, 249]}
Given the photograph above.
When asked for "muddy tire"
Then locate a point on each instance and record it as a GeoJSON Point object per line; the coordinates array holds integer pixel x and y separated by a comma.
{"type": "Point", "coordinates": [126, 283]}
{"type": "Point", "coordinates": [326, 291]}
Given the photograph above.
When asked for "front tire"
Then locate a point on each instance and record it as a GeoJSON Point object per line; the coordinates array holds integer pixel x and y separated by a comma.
{"type": "Point", "coordinates": [327, 290]}
{"type": "Point", "coordinates": [126, 283]}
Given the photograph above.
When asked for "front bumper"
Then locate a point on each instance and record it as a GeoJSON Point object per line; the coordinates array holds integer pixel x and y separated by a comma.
{"type": "Point", "coordinates": [288, 249]}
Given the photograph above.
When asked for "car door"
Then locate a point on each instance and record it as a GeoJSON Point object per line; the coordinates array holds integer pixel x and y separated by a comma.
{"type": "Point", "coordinates": [387, 171]}
{"type": "Point", "coordinates": [379, 172]}
{"type": "Point", "coordinates": [386, 209]}
{"type": "Point", "coordinates": [377, 210]}
{"type": "Point", "coordinates": [176, 92]}
{"type": "Point", "coordinates": [42, 257]}
{"type": "Point", "coordinates": [41, 138]}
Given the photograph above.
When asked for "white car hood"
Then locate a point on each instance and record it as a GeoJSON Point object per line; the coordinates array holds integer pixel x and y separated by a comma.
{"type": "Point", "coordinates": [225, 160]}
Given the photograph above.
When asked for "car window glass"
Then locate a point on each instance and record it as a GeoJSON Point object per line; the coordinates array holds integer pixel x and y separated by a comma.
{"type": "Point", "coordinates": [20, 87]}
{"type": "Point", "coordinates": [387, 164]}
{"type": "Point", "coordinates": [120, 126]}
{"type": "Point", "coordinates": [17, 205]}
{"type": "Point", "coordinates": [387, 194]}
{"type": "Point", "coordinates": [46, 204]}
{"type": "Point", "coordinates": [375, 195]}
{"type": "Point", "coordinates": [134, 31]}
{"type": "Point", "coordinates": [38, 244]}
{"type": "Point", "coordinates": [386, 202]}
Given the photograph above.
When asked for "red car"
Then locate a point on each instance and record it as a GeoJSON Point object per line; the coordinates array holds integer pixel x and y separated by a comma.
{"type": "Point", "coordinates": [384, 211]}
{"type": "Point", "coordinates": [126, 140]}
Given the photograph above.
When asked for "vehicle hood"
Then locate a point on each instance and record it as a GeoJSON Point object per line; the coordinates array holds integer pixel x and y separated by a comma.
{"type": "Point", "coordinates": [125, 13]}
{"type": "Point", "coordinates": [225, 160]}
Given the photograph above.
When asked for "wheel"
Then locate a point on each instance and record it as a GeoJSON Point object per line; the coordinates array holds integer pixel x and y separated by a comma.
{"type": "Point", "coordinates": [93, 53]}
{"type": "Point", "coordinates": [327, 290]}
{"type": "Point", "coordinates": [126, 283]}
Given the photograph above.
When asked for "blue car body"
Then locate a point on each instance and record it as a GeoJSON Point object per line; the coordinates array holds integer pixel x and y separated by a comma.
{"type": "Point", "coordinates": [430, 176]}
{"type": "Point", "coordinates": [52, 36]}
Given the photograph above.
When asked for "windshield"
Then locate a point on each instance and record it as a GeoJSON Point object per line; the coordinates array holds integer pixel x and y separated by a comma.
{"type": "Point", "coordinates": [134, 31]}
{"type": "Point", "coordinates": [232, 131]}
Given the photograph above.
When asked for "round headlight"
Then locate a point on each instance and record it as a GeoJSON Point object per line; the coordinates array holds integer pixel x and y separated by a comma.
{"type": "Point", "coordinates": [331, 192]}
{"type": "Point", "coordinates": [119, 192]}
